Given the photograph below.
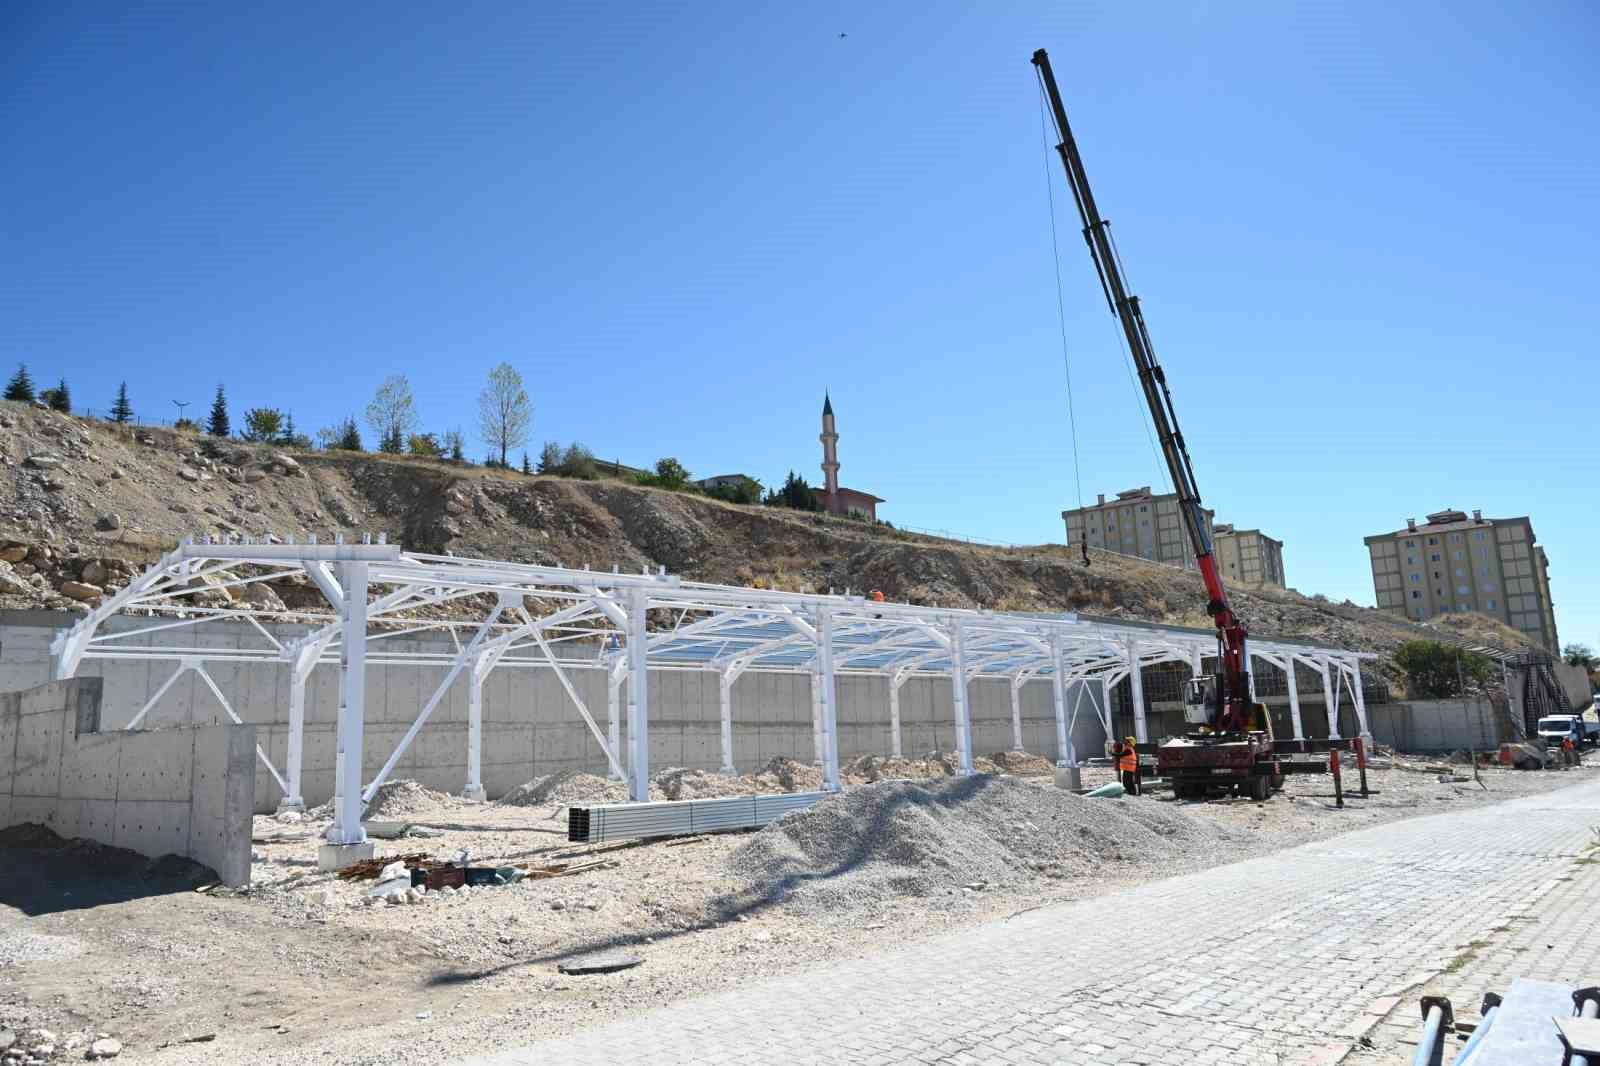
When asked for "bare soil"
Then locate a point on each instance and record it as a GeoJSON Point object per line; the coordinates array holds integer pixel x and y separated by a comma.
{"type": "Point", "coordinates": [300, 969]}
{"type": "Point", "coordinates": [85, 504]}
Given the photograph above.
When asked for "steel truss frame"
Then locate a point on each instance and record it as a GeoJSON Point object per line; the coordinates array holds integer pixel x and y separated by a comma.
{"type": "Point", "coordinates": [507, 615]}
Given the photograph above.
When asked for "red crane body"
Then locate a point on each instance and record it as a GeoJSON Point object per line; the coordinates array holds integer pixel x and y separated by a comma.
{"type": "Point", "coordinates": [1228, 704]}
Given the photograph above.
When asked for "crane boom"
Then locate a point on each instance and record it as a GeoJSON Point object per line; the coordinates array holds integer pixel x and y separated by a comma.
{"type": "Point", "coordinates": [1230, 706]}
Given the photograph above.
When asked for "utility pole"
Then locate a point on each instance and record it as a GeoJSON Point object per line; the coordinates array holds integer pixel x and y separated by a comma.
{"type": "Point", "coordinates": [181, 404]}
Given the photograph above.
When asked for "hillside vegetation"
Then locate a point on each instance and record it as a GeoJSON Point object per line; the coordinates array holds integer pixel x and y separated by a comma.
{"type": "Point", "coordinates": [86, 504]}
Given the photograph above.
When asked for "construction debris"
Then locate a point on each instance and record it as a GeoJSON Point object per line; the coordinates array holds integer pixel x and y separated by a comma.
{"type": "Point", "coordinates": [604, 962]}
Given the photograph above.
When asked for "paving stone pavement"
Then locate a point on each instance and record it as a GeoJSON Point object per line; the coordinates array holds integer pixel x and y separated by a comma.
{"type": "Point", "coordinates": [1285, 960]}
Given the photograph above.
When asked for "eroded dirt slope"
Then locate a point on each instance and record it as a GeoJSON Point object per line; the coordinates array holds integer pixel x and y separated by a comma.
{"type": "Point", "coordinates": [84, 504]}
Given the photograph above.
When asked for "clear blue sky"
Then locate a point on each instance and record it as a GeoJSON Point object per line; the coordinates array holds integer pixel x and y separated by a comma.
{"type": "Point", "coordinates": [1364, 236]}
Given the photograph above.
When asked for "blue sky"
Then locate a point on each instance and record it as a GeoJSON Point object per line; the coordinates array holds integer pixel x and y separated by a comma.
{"type": "Point", "coordinates": [1363, 235]}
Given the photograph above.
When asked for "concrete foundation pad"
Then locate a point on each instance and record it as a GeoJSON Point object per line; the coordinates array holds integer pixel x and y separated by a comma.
{"type": "Point", "coordinates": [475, 795]}
{"type": "Point", "coordinates": [338, 856]}
{"type": "Point", "coordinates": [291, 807]}
{"type": "Point", "coordinates": [1069, 777]}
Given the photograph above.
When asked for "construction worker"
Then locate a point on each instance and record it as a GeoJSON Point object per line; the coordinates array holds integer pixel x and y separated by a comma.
{"type": "Point", "coordinates": [1127, 757]}
{"type": "Point", "coordinates": [1569, 753]}
{"type": "Point", "coordinates": [877, 596]}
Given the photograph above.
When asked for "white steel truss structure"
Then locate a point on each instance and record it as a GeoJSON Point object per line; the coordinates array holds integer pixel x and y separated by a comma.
{"type": "Point", "coordinates": [503, 615]}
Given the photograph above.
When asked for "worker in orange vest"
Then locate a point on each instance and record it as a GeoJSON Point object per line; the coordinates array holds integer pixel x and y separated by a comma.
{"type": "Point", "coordinates": [1127, 757]}
{"type": "Point", "coordinates": [877, 596]}
{"type": "Point", "coordinates": [1569, 753]}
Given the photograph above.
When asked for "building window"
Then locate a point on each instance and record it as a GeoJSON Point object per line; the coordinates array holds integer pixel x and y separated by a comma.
{"type": "Point", "coordinates": [1489, 587]}
{"type": "Point", "coordinates": [1432, 541]}
{"type": "Point", "coordinates": [1461, 571]}
{"type": "Point", "coordinates": [1411, 560]}
{"type": "Point", "coordinates": [1416, 579]}
{"type": "Point", "coordinates": [1491, 605]}
{"type": "Point", "coordinates": [1463, 590]}
{"type": "Point", "coordinates": [1434, 557]}
{"type": "Point", "coordinates": [1455, 538]}
{"type": "Point", "coordinates": [1416, 594]}
{"type": "Point", "coordinates": [1411, 544]}
{"type": "Point", "coordinates": [1479, 535]}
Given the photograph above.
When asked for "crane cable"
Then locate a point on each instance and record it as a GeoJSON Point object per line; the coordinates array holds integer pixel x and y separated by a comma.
{"type": "Point", "coordinates": [1061, 322]}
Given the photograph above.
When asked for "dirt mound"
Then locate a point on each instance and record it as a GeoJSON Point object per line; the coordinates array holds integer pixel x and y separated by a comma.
{"type": "Point", "coordinates": [1022, 762]}
{"type": "Point", "coordinates": [31, 835]}
{"type": "Point", "coordinates": [783, 774]}
{"type": "Point", "coordinates": [677, 783]}
{"type": "Point", "coordinates": [565, 787]}
{"type": "Point", "coordinates": [402, 798]}
{"type": "Point", "coordinates": [895, 839]}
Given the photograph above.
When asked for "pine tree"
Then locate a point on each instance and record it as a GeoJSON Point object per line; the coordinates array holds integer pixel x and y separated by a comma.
{"type": "Point", "coordinates": [61, 398]}
{"type": "Point", "coordinates": [287, 437]}
{"type": "Point", "coordinates": [122, 410]}
{"type": "Point", "coordinates": [527, 467]}
{"type": "Point", "coordinates": [218, 425]}
{"type": "Point", "coordinates": [20, 387]}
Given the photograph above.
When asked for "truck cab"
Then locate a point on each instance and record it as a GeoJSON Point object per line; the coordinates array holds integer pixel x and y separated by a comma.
{"type": "Point", "coordinates": [1555, 728]}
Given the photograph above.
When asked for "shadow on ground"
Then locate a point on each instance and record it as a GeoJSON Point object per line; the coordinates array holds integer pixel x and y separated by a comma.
{"type": "Point", "coordinates": [42, 873]}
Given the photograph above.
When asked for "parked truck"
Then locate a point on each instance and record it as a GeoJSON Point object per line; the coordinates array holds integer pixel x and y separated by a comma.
{"type": "Point", "coordinates": [1555, 728]}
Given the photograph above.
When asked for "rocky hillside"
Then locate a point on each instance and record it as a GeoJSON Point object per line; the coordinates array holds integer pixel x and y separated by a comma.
{"type": "Point", "coordinates": [84, 504]}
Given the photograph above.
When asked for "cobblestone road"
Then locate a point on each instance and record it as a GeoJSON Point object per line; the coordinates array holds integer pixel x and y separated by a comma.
{"type": "Point", "coordinates": [1284, 960]}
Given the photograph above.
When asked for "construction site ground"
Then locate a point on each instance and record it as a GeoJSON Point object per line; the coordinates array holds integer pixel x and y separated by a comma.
{"type": "Point", "coordinates": [300, 968]}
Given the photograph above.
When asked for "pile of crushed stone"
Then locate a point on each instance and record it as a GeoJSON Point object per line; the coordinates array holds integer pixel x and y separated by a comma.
{"type": "Point", "coordinates": [904, 838]}
{"type": "Point", "coordinates": [868, 769]}
{"type": "Point", "coordinates": [565, 787]}
{"type": "Point", "coordinates": [401, 798]}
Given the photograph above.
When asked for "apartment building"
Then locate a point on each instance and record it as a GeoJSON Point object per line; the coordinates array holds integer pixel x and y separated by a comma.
{"type": "Point", "coordinates": [1494, 566]}
{"type": "Point", "coordinates": [1248, 556]}
{"type": "Point", "coordinates": [1138, 523]}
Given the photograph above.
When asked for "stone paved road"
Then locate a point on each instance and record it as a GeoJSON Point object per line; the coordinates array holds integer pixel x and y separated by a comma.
{"type": "Point", "coordinates": [1277, 961]}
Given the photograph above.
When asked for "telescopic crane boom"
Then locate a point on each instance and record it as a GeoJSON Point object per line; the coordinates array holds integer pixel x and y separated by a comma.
{"type": "Point", "coordinates": [1228, 703]}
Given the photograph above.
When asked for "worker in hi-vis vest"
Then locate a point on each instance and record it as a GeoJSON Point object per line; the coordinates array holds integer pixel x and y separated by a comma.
{"type": "Point", "coordinates": [1127, 757]}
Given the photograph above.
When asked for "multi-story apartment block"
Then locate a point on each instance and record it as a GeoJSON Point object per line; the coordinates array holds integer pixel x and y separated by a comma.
{"type": "Point", "coordinates": [1248, 556]}
{"type": "Point", "coordinates": [1137, 523]}
{"type": "Point", "coordinates": [1450, 563]}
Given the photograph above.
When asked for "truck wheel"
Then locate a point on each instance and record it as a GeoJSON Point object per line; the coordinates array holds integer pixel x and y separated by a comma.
{"type": "Point", "coordinates": [1260, 787]}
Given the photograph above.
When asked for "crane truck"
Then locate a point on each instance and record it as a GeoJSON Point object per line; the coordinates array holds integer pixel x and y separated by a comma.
{"type": "Point", "coordinates": [1230, 744]}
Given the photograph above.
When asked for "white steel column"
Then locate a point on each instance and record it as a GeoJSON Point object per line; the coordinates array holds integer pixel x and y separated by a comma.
{"type": "Point", "coordinates": [1360, 700]}
{"type": "Point", "coordinates": [614, 679]}
{"type": "Point", "coordinates": [1294, 699]}
{"type": "Point", "coordinates": [1330, 699]}
{"type": "Point", "coordinates": [1065, 756]}
{"type": "Point", "coordinates": [304, 661]}
{"type": "Point", "coordinates": [830, 701]}
{"type": "Point", "coordinates": [346, 827]}
{"type": "Point", "coordinates": [1141, 732]}
{"type": "Point", "coordinates": [1016, 713]}
{"type": "Point", "coordinates": [894, 714]}
{"type": "Point", "coordinates": [958, 690]}
{"type": "Point", "coordinates": [474, 792]}
{"type": "Point", "coordinates": [638, 698]}
{"type": "Point", "coordinates": [725, 679]}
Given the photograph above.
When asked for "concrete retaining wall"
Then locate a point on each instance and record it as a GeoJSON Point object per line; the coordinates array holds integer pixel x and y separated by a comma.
{"type": "Point", "coordinates": [1438, 725]}
{"type": "Point", "coordinates": [187, 791]}
{"type": "Point", "coordinates": [1575, 682]}
{"type": "Point", "coordinates": [531, 725]}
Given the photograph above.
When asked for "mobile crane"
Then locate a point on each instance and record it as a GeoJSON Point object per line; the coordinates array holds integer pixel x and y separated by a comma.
{"type": "Point", "coordinates": [1231, 744]}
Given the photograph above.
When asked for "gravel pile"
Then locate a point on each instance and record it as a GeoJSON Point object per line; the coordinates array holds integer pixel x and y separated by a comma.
{"type": "Point", "coordinates": [402, 798]}
{"type": "Point", "coordinates": [895, 839]}
{"type": "Point", "coordinates": [565, 787]}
